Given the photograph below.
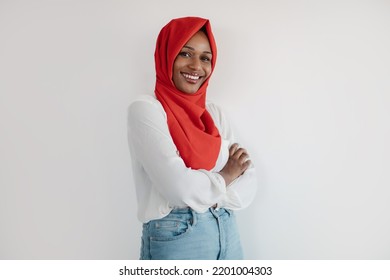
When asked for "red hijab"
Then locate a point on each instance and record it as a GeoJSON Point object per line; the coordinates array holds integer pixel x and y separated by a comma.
{"type": "Point", "coordinates": [192, 129]}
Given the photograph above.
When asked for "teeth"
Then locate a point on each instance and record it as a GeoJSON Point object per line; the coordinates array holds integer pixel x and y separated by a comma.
{"type": "Point", "coordinates": [190, 76]}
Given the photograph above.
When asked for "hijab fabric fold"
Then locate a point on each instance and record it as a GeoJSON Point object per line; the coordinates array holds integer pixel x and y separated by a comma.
{"type": "Point", "coordinates": [192, 128]}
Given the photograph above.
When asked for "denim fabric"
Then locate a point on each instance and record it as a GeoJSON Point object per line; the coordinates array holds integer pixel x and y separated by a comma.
{"type": "Point", "coordinates": [187, 235]}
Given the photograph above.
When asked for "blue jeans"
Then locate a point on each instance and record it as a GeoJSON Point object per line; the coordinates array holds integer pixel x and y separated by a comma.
{"type": "Point", "coordinates": [187, 235]}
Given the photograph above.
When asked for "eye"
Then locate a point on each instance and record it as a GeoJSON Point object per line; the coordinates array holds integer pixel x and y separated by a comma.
{"type": "Point", "coordinates": [185, 54]}
{"type": "Point", "coordinates": [206, 59]}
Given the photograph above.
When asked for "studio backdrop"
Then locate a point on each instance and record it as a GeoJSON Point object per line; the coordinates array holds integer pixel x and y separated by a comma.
{"type": "Point", "coordinates": [305, 84]}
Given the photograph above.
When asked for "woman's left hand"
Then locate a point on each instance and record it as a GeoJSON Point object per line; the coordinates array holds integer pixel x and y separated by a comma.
{"type": "Point", "coordinates": [236, 165]}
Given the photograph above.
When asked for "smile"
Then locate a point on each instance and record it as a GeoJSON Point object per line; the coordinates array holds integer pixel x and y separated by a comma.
{"type": "Point", "coordinates": [191, 77]}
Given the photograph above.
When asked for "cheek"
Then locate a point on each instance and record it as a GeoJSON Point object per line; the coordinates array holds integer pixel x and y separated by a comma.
{"type": "Point", "coordinates": [175, 72]}
{"type": "Point", "coordinates": [208, 71]}
{"type": "Point", "coordinates": [176, 67]}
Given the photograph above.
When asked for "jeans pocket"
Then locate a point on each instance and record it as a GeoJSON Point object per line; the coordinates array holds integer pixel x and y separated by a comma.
{"type": "Point", "coordinates": [169, 228]}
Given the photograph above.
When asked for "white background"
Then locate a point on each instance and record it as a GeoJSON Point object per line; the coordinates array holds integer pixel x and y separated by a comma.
{"type": "Point", "coordinates": [305, 84]}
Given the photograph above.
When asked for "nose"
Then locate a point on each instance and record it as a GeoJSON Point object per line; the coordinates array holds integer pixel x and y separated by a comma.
{"type": "Point", "coordinates": [195, 64]}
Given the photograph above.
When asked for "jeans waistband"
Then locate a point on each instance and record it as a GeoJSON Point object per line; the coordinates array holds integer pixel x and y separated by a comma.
{"type": "Point", "coordinates": [211, 210]}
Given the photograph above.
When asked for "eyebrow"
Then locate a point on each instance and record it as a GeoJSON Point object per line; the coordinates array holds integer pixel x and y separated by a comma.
{"type": "Point", "coordinates": [191, 48]}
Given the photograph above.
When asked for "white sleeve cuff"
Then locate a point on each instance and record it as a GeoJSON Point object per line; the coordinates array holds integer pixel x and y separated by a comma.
{"type": "Point", "coordinates": [216, 179]}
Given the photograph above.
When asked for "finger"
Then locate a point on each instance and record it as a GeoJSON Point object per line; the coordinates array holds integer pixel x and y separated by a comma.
{"type": "Point", "coordinates": [233, 149]}
{"type": "Point", "coordinates": [243, 158]}
{"type": "Point", "coordinates": [239, 152]}
{"type": "Point", "coordinates": [246, 165]}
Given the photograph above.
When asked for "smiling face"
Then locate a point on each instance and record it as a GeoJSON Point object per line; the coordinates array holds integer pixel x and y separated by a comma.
{"type": "Point", "coordinates": [192, 65]}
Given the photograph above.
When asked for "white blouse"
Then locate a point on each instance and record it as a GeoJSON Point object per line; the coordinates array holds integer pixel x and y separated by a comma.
{"type": "Point", "coordinates": [161, 178]}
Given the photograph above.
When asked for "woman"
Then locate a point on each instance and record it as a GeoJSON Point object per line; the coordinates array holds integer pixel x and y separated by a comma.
{"type": "Point", "coordinates": [189, 173]}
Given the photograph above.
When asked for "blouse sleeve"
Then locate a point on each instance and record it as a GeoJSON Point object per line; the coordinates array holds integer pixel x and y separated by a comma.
{"type": "Point", "coordinates": [241, 192]}
{"type": "Point", "coordinates": [152, 146]}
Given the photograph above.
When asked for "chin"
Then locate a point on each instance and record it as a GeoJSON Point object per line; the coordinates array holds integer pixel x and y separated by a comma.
{"type": "Point", "coordinates": [189, 91]}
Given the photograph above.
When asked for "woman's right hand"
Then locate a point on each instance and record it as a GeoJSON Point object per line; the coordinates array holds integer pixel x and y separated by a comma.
{"type": "Point", "coordinates": [236, 165]}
